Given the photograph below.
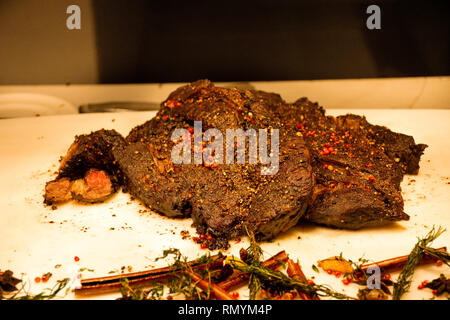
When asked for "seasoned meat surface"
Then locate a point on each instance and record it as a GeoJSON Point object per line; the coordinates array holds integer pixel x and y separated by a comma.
{"type": "Point", "coordinates": [341, 172]}
{"type": "Point", "coordinates": [221, 198]}
{"type": "Point", "coordinates": [88, 172]}
{"type": "Point", "coordinates": [358, 166]}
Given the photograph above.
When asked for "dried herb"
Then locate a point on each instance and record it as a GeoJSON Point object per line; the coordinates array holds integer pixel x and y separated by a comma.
{"type": "Point", "coordinates": [253, 256]}
{"type": "Point", "coordinates": [179, 279]}
{"type": "Point", "coordinates": [372, 294]}
{"type": "Point", "coordinates": [441, 285]}
{"type": "Point", "coordinates": [8, 282]}
{"type": "Point", "coordinates": [315, 268]}
{"type": "Point", "coordinates": [136, 293]}
{"type": "Point", "coordinates": [404, 280]}
{"type": "Point", "coordinates": [441, 255]}
{"type": "Point", "coordinates": [273, 280]}
{"type": "Point", "coordinates": [278, 281]}
{"type": "Point", "coordinates": [47, 294]}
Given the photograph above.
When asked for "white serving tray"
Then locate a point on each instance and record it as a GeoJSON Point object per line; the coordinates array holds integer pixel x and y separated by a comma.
{"type": "Point", "coordinates": [35, 238]}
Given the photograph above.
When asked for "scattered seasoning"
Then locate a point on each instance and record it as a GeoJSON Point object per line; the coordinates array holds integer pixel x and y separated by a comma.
{"type": "Point", "coordinates": [76, 258]}
{"type": "Point", "coordinates": [439, 285]}
{"type": "Point", "coordinates": [422, 285]}
{"type": "Point", "coordinates": [346, 281]}
{"type": "Point", "coordinates": [315, 268]}
{"type": "Point", "coordinates": [184, 234]}
{"type": "Point", "coordinates": [45, 277]}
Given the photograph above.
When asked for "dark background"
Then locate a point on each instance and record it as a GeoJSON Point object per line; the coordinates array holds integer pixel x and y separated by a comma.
{"type": "Point", "coordinates": [179, 41]}
{"type": "Point", "coordinates": [269, 40]}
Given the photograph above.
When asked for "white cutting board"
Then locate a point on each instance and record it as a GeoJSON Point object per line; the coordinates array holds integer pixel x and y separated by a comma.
{"type": "Point", "coordinates": [34, 238]}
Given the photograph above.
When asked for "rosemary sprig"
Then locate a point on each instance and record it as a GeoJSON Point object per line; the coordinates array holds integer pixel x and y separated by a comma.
{"type": "Point", "coordinates": [179, 282]}
{"type": "Point", "coordinates": [254, 253]}
{"type": "Point", "coordinates": [404, 280]}
{"type": "Point", "coordinates": [279, 280]}
{"type": "Point", "coordinates": [443, 256]}
{"type": "Point", "coordinates": [261, 276]}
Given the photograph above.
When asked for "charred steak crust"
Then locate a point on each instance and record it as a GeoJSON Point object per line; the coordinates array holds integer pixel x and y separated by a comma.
{"type": "Point", "coordinates": [222, 199]}
{"type": "Point", "coordinates": [344, 172]}
{"type": "Point", "coordinates": [358, 166]}
{"type": "Point", "coordinates": [88, 172]}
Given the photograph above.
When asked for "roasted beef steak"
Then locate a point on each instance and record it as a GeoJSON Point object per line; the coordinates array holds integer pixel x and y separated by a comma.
{"type": "Point", "coordinates": [343, 171]}
{"type": "Point", "coordinates": [88, 172]}
{"type": "Point", "coordinates": [358, 167]}
{"type": "Point", "coordinates": [221, 198]}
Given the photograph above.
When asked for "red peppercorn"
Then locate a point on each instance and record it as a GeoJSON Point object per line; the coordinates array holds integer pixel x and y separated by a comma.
{"type": "Point", "coordinates": [165, 117]}
{"type": "Point", "coordinates": [44, 278]}
{"type": "Point", "coordinates": [235, 295]}
{"type": "Point", "coordinates": [439, 263]}
{"type": "Point", "coordinates": [209, 237]}
{"type": "Point", "coordinates": [191, 130]}
{"type": "Point", "coordinates": [203, 245]}
{"type": "Point", "coordinates": [202, 236]}
{"type": "Point", "coordinates": [325, 166]}
{"type": "Point", "coordinates": [311, 283]}
{"type": "Point", "coordinates": [37, 279]}
{"type": "Point", "coordinates": [423, 284]}
{"type": "Point", "coordinates": [387, 276]}
{"type": "Point", "coordinates": [76, 259]}
{"type": "Point", "coordinates": [435, 291]}
{"type": "Point", "coordinates": [371, 178]}
{"type": "Point", "coordinates": [329, 271]}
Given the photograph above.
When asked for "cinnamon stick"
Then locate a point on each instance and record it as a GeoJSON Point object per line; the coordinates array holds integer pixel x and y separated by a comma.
{"type": "Point", "coordinates": [148, 277]}
{"type": "Point", "coordinates": [295, 271]}
{"type": "Point", "coordinates": [397, 263]}
{"type": "Point", "coordinates": [215, 290]}
{"type": "Point", "coordinates": [239, 278]}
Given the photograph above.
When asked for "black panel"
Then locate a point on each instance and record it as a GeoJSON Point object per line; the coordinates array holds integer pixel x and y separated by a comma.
{"type": "Point", "coordinates": [170, 41]}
